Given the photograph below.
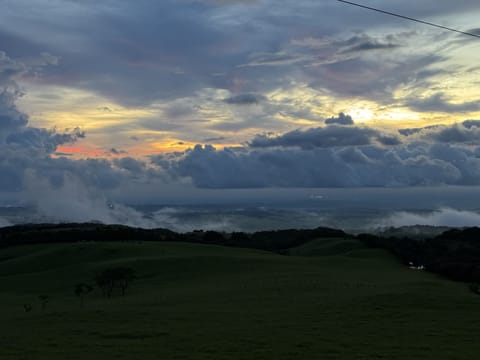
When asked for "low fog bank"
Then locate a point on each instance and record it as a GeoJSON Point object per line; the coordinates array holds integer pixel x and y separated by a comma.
{"type": "Point", "coordinates": [227, 219]}
{"type": "Point", "coordinates": [4, 222]}
{"type": "Point", "coordinates": [352, 210]}
{"type": "Point", "coordinates": [441, 217]}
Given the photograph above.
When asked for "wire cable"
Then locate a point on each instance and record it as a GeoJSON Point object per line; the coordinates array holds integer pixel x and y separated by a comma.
{"type": "Point", "coordinates": [410, 18]}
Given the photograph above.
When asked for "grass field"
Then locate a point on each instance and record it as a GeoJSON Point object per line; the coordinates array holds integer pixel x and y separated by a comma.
{"type": "Point", "coordinates": [328, 300]}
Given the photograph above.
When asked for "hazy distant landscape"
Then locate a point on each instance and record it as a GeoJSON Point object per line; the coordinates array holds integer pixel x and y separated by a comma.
{"type": "Point", "coordinates": [353, 210]}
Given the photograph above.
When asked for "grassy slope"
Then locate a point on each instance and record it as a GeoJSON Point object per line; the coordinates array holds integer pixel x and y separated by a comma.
{"type": "Point", "coordinates": [326, 246]}
{"type": "Point", "coordinates": [208, 302]}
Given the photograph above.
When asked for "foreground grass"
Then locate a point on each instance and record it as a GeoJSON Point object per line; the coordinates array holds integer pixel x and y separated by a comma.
{"type": "Point", "coordinates": [208, 302]}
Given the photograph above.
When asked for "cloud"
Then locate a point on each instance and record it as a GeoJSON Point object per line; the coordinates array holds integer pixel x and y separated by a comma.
{"type": "Point", "coordinates": [240, 51]}
{"type": "Point", "coordinates": [336, 156]}
{"type": "Point", "coordinates": [471, 123]}
{"type": "Point", "coordinates": [273, 59]}
{"type": "Point", "coordinates": [439, 103]}
{"type": "Point", "coordinates": [15, 134]}
{"type": "Point", "coordinates": [10, 117]}
{"type": "Point", "coordinates": [134, 166]}
{"type": "Point", "coordinates": [45, 141]}
{"type": "Point", "coordinates": [202, 77]}
{"type": "Point", "coordinates": [467, 132]}
{"type": "Point", "coordinates": [245, 99]}
{"type": "Point", "coordinates": [365, 42]}
{"type": "Point", "coordinates": [342, 119]}
{"type": "Point", "coordinates": [25, 150]}
{"type": "Point", "coordinates": [116, 151]}
{"type": "Point", "coordinates": [325, 137]}
{"type": "Point", "coordinates": [73, 201]}
{"type": "Point", "coordinates": [441, 217]}
{"type": "Point", "coordinates": [214, 139]}
{"type": "Point", "coordinates": [315, 167]}
{"type": "Point", "coordinates": [4, 222]}
{"type": "Point", "coordinates": [140, 60]}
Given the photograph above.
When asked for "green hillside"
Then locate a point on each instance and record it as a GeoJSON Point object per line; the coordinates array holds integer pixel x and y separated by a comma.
{"type": "Point", "coordinates": [326, 246]}
{"type": "Point", "coordinates": [193, 301]}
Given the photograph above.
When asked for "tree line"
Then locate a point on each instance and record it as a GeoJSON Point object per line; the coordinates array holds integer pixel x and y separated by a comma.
{"type": "Point", "coordinates": [454, 253]}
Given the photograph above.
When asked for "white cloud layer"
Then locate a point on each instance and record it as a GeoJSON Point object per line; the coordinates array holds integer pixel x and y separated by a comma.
{"type": "Point", "coordinates": [441, 217]}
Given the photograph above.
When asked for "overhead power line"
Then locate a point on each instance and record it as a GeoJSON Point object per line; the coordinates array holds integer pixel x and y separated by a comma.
{"type": "Point", "coordinates": [410, 18]}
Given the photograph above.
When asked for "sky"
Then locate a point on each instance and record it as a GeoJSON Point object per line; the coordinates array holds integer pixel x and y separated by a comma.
{"type": "Point", "coordinates": [140, 100]}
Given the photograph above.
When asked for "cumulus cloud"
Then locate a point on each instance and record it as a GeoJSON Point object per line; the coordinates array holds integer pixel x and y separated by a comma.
{"type": "Point", "coordinates": [324, 137]}
{"type": "Point", "coordinates": [43, 140]}
{"type": "Point", "coordinates": [316, 167]}
{"type": "Point", "coordinates": [132, 165]}
{"type": "Point", "coordinates": [317, 137]}
{"type": "Point", "coordinates": [10, 117]}
{"type": "Point", "coordinates": [342, 119]}
{"type": "Point", "coordinates": [28, 168]}
{"type": "Point", "coordinates": [467, 132]}
{"type": "Point", "coordinates": [14, 130]}
{"type": "Point", "coordinates": [336, 156]}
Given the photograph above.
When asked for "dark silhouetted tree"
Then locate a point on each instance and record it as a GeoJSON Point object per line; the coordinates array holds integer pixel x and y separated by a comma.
{"type": "Point", "coordinates": [81, 290]}
{"type": "Point", "coordinates": [213, 237]}
{"type": "Point", "coordinates": [43, 301]}
{"type": "Point", "coordinates": [109, 279]}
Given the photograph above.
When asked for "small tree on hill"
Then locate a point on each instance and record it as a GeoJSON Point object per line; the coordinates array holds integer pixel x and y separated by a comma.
{"type": "Point", "coordinates": [109, 279]}
{"type": "Point", "coordinates": [81, 290]}
{"type": "Point", "coordinates": [43, 301]}
{"type": "Point", "coordinates": [123, 277]}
